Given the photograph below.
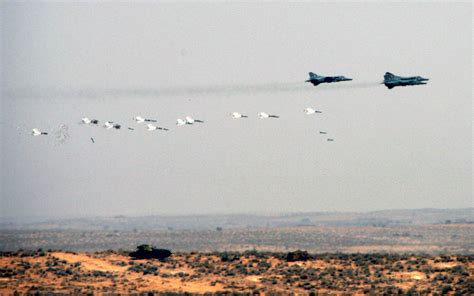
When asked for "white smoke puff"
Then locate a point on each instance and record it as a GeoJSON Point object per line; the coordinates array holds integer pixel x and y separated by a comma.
{"type": "Point", "coordinates": [62, 134]}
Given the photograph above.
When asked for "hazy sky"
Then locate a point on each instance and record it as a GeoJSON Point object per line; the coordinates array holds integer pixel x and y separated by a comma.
{"type": "Point", "coordinates": [407, 147]}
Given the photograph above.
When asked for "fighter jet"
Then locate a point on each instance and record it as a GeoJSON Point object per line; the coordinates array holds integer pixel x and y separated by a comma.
{"type": "Point", "coordinates": [316, 79]}
{"type": "Point", "coordinates": [391, 80]}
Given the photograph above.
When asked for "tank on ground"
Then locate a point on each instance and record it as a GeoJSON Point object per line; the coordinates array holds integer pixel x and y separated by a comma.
{"type": "Point", "coordinates": [149, 252]}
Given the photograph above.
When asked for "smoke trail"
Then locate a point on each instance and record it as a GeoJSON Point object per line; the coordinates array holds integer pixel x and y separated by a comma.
{"type": "Point", "coordinates": [61, 134]}
{"type": "Point", "coordinates": [219, 89]}
{"type": "Point", "coordinates": [291, 87]}
{"type": "Point", "coordinates": [273, 87]}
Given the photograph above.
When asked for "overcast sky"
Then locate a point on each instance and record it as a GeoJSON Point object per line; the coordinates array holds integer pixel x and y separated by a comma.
{"type": "Point", "coordinates": [407, 147]}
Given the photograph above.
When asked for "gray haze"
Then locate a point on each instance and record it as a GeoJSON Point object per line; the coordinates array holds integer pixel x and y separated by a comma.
{"type": "Point", "coordinates": [403, 148]}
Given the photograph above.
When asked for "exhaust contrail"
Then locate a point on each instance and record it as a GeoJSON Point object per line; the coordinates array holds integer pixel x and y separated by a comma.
{"type": "Point", "coordinates": [272, 87]}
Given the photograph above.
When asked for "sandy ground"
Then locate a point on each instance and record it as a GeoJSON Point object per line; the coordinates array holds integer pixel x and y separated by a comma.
{"type": "Point", "coordinates": [111, 272]}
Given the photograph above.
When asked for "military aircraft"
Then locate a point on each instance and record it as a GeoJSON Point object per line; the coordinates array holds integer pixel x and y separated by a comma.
{"type": "Point", "coordinates": [390, 80]}
{"type": "Point", "coordinates": [316, 79]}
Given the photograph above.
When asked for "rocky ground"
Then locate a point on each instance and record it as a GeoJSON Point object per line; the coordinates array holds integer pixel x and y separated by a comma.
{"type": "Point", "coordinates": [249, 272]}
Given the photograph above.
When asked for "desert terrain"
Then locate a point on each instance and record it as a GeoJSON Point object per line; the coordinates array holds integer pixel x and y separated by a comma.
{"type": "Point", "coordinates": [403, 231]}
{"type": "Point", "coordinates": [251, 272]}
{"type": "Point", "coordinates": [427, 252]}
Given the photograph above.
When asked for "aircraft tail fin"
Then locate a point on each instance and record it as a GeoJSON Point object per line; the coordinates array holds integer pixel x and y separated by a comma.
{"type": "Point", "coordinates": [312, 75]}
{"type": "Point", "coordinates": [388, 75]}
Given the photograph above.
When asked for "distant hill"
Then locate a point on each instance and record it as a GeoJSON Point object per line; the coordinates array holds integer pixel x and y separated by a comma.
{"type": "Point", "coordinates": [203, 222]}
